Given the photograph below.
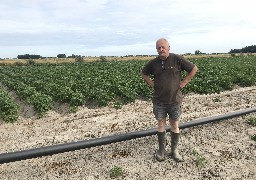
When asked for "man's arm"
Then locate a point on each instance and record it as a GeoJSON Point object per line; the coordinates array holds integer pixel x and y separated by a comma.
{"type": "Point", "coordinates": [147, 79]}
{"type": "Point", "coordinates": [189, 76]}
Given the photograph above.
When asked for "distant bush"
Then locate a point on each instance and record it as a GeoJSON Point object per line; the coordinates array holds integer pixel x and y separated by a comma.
{"type": "Point", "coordinates": [79, 59]}
{"type": "Point", "coordinates": [103, 58]}
{"type": "Point", "coordinates": [18, 63]}
{"type": "Point", "coordinates": [31, 62]}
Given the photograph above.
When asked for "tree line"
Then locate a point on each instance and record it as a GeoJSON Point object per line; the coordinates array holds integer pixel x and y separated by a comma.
{"type": "Point", "coordinates": [247, 49]}
{"type": "Point", "coordinates": [28, 56]}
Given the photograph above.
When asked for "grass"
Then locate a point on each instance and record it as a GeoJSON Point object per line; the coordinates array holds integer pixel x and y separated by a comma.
{"type": "Point", "coordinates": [200, 160]}
{"type": "Point", "coordinates": [116, 172]}
{"type": "Point", "coordinates": [253, 137]}
{"type": "Point", "coordinates": [216, 99]}
{"type": "Point", "coordinates": [252, 121]}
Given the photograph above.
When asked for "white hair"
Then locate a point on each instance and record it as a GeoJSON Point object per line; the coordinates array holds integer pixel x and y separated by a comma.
{"type": "Point", "coordinates": [163, 39]}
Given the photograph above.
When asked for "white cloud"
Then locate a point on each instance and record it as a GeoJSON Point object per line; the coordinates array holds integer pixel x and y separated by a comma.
{"type": "Point", "coordinates": [124, 27]}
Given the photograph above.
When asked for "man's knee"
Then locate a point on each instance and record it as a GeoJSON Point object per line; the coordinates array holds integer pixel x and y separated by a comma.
{"type": "Point", "coordinates": [174, 125]}
{"type": "Point", "coordinates": [161, 125]}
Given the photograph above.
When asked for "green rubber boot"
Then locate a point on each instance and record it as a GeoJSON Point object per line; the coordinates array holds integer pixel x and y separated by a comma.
{"type": "Point", "coordinates": [160, 153]}
{"type": "Point", "coordinates": [174, 150]}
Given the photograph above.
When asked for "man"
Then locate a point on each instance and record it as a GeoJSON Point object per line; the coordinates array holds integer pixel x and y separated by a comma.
{"type": "Point", "coordinates": [167, 98]}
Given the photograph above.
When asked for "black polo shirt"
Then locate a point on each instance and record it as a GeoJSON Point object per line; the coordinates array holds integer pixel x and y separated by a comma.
{"type": "Point", "coordinates": [167, 77]}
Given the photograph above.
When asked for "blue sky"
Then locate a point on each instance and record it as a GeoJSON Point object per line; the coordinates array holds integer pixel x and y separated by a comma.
{"type": "Point", "coordinates": [124, 27]}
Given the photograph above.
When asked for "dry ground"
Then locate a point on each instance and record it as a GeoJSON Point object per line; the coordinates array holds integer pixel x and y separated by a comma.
{"type": "Point", "coordinates": [226, 147]}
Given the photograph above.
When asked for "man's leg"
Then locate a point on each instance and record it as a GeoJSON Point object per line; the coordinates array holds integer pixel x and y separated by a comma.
{"type": "Point", "coordinates": [175, 134]}
{"type": "Point", "coordinates": [160, 153]}
{"type": "Point", "coordinates": [160, 115]}
{"type": "Point", "coordinates": [174, 112]}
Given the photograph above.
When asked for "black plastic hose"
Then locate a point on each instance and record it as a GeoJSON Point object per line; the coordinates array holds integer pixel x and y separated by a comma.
{"type": "Point", "coordinates": [60, 148]}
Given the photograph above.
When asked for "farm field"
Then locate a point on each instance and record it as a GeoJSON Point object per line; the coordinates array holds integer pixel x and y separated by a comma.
{"type": "Point", "coordinates": [109, 83]}
{"type": "Point", "coordinates": [221, 86]}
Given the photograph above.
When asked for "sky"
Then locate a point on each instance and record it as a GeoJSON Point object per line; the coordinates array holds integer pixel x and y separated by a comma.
{"type": "Point", "coordinates": [124, 27]}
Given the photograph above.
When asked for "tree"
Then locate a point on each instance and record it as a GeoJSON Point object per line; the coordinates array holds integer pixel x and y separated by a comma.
{"type": "Point", "coordinates": [61, 56]}
{"type": "Point", "coordinates": [198, 52]}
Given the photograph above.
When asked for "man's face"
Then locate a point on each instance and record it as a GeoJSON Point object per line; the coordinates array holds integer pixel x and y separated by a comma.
{"type": "Point", "coordinates": [162, 48]}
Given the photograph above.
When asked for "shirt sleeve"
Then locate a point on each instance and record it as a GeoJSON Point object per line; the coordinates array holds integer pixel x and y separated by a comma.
{"type": "Point", "coordinates": [185, 64]}
{"type": "Point", "coordinates": [147, 69]}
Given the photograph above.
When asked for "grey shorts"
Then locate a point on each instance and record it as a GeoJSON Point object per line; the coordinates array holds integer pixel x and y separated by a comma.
{"type": "Point", "coordinates": [161, 111]}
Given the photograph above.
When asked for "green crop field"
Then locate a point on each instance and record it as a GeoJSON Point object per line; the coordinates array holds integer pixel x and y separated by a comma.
{"type": "Point", "coordinates": [113, 82]}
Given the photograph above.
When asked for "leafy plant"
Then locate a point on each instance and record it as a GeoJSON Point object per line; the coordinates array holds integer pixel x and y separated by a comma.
{"type": "Point", "coordinates": [253, 137]}
{"type": "Point", "coordinates": [73, 109]}
{"type": "Point", "coordinates": [216, 99]}
{"type": "Point", "coordinates": [116, 172]}
{"type": "Point", "coordinates": [41, 102]}
{"type": "Point", "coordinates": [200, 160]}
{"type": "Point", "coordinates": [8, 107]}
{"type": "Point", "coordinates": [252, 121]}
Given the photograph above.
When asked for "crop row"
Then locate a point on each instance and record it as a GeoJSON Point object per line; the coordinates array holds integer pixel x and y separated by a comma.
{"type": "Point", "coordinates": [115, 82]}
{"type": "Point", "coordinates": [8, 107]}
{"type": "Point", "coordinates": [219, 74]}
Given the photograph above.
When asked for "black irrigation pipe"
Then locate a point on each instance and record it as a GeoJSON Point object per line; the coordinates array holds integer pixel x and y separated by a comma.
{"type": "Point", "coordinates": [61, 148]}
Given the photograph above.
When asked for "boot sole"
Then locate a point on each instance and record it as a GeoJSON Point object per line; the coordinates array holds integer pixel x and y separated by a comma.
{"type": "Point", "coordinates": [176, 159]}
{"type": "Point", "coordinates": [160, 159]}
